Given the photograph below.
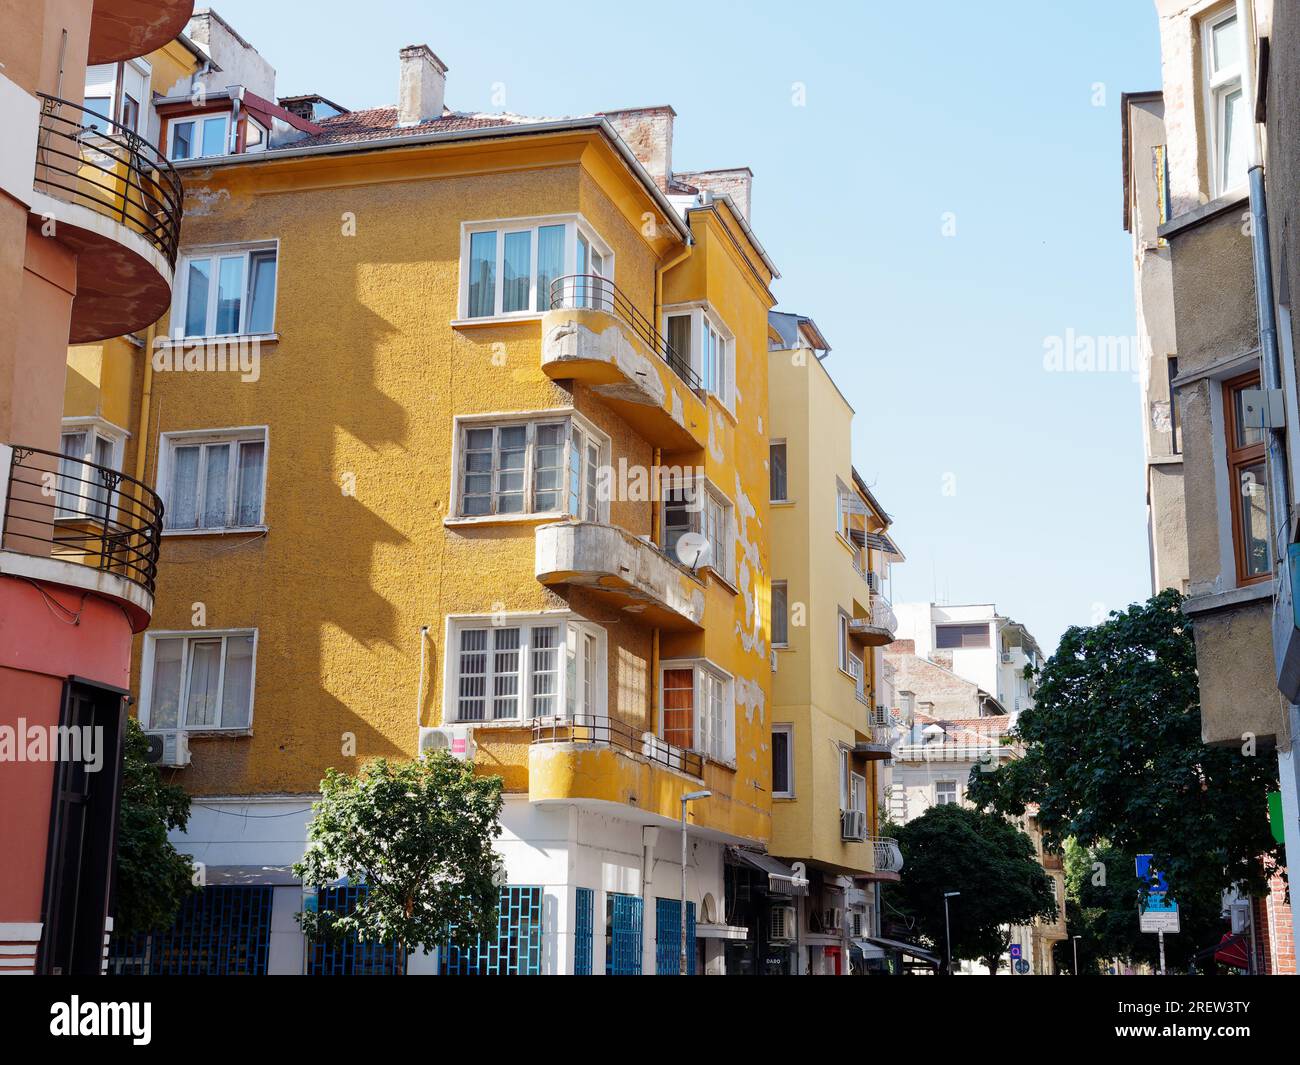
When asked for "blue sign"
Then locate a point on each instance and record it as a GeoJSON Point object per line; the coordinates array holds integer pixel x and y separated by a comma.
{"type": "Point", "coordinates": [1015, 951]}
{"type": "Point", "coordinates": [1022, 967]}
{"type": "Point", "coordinates": [1156, 880]}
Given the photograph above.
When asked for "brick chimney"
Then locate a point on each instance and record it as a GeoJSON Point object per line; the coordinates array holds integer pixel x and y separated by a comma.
{"type": "Point", "coordinates": [422, 85]}
{"type": "Point", "coordinates": [648, 131]}
{"type": "Point", "coordinates": [737, 182]}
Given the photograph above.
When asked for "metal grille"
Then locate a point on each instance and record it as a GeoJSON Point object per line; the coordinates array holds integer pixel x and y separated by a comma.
{"type": "Point", "coordinates": [350, 956]}
{"type": "Point", "coordinates": [584, 905]}
{"type": "Point", "coordinates": [623, 915]}
{"type": "Point", "coordinates": [220, 931]}
{"type": "Point", "coordinates": [517, 949]}
{"type": "Point", "coordinates": [668, 937]}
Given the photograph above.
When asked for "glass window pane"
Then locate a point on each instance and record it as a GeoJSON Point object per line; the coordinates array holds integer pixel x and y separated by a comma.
{"type": "Point", "coordinates": [1254, 520]}
{"type": "Point", "coordinates": [776, 470]}
{"type": "Point", "coordinates": [182, 506]}
{"type": "Point", "coordinates": [780, 762]}
{"type": "Point", "coordinates": [780, 613]}
{"type": "Point", "coordinates": [473, 675]}
{"type": "Point", "coordinates": [1236, 128]}
{"type": "Point", "coordinates": [550, 261]}
{"type": "Point", "coordinates": [1225, 46]}
{"type": "Point", "coordinates": [1246, 435]}
{"type": "Point", "coordinates": [230, 294]}
{"type": "Point", "coordinates": [679, 707]}
{"type": "Point", "coordinates": [215, 479]}
{"type": "Point", "coordinates": [237, 689]}
{"type": "Point", "coordinates": [582, 289]}
{"type": "Point", "coordinates": [592, 505]}
{"type": "Point", "coordinates": [576, 445]}
{"type": "Point", "coordinates": [548, 468]}
{"type": "Point", "coordinates": [99, 105]}
{"type": "Point", "coordinates": [505, 672]}
{"type": "Point", "coordinates": [248, 507]}
{"type": "Point", "coordinates": [73, 474]}
{"type": "Point", "coordinates": [205, 669]}
{"type": "Point", "coordinates": [214, 136]}
{"type": "Point", "coordinates": [482, 274]}
{"type": "Point", "coordinates": [196, 297]}
{"type": "Point", "coordinates": [545, 669]}
{"type": "Point", "coordinates": [165, 693]}
{"type": "Point", "coordinates": [182, 140]}
{"type": "Point", "coordinates": [261, 292]}
{"type": "Point", "coordinates": [516, 271]}
{"type": "Point", "coordinates": [512, 454]}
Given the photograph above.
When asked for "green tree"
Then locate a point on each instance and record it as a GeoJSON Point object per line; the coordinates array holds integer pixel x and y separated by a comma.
{"type": "Point", "coordinates": [419, 836]}
{"type": "Point", "coordinates": [152, 877]}
{"type": "Point", "coordinates": [985, 857]}
{"type": "Point", "coordinates": [1113, 758]}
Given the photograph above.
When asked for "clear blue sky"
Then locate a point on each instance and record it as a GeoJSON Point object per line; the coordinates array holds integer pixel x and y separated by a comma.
{"type": "Point", "coordinates": [938, 341]}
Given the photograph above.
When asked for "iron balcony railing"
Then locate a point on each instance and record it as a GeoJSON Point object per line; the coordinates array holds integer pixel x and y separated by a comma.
{"type": "Point", "coordinates": [888, 857]}
{"type": "Point", "coordinates": [593, 292]}
{"type": "Point", "coordinates": [609, 732]}
{"type": "Point", "coordinates": [90, 160]}
{"type": "Point", "coordinates": [76, 511]}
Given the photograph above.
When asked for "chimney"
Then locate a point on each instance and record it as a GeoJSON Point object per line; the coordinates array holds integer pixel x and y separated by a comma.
{"type": "Point", "coordinates": [737, 182]}
{"type": "Point", "coordinates": [421, 87]}
{"type": "Point", "coordinates": [648, 132]}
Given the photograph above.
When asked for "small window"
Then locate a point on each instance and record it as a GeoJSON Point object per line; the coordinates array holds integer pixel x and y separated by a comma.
{"type": "Point", "coordinates": [197, 683]}
{"type": "Point", "coordinates": [844, 656]}
{"type": "Point", "coordinates": [780, 487]}
{"type": "Point", "coordinates": [1175, 425]}
{"type": "Point", "coordinates": [198, 137]}
{"type": "Point", "coordinates": [945, 792]}
{"type": "Point", "coordinates": [225, 292]}
{"type": "Point", "coordinates": [698, 713]}
{"type": "Point", "coordinates": [780, 614]}
{"type": "Point", "coordinates": [1248, 483]}
{"type": "Point", "coordinates": [80, 491]}
{"type": "Point", "coordinates": [95, 113]}
{"type": "Point", "coordinates": [783, 761]}
{"type": "Point", "coordinates": [951, 637]}
{"type": "Point", "coordinates": [511, 268]}
{"type": "Point", "coordinates": [1229, 117]}
{"type": "Point", "coordinates": [214, 482]}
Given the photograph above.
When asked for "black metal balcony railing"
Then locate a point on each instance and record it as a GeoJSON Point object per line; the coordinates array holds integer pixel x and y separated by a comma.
{"type": "Point", "coordinates": [608, 732]}
{"type": "Point", "coordinates": [88, 159]}
{"type": "Point", "coordinates": [593, 292]}
{"type": "Point", "coordinates": [76, 511]}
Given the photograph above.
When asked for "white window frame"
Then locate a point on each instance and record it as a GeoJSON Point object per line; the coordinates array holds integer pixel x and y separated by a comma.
{"type": "Point", "coordinates": [95, 428]}
{"type": "Point", "coordinates": [787, 729]}
{"type": "Point", "coordinates": [198, 118]}
{"type": "Point", "coordinates": [703, 318]}
{"type": "Point", "coordinates": [698, 522]}
{"type": "Point", "coordinates": [843, 651]}
{"type": "Point", "coordinates": [169, 442]}
{"type": "Point", "coordinates": [566, 416]}
{"type": "Point", "coordinates": [956, 797]}
{"type": "Point", "coordinates": [538, 302]}
{"type": "Point", "coordinates": [785, 586]}
{"type": "Point", "coordinates": [215, 253]}
{"type": "Point", "coordinates": [714, 739]}
{"type": "Point", "coordinates": [190, 636]}
{"type": "Point", "coordinates": [1218, 87]}
{"type": "Point", "coordinates": [857, 794]}
{"type": "Point", "coordinates": [568, 624]}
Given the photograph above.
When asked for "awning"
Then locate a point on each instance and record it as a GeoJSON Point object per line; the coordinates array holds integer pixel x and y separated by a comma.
{"type": "Point", "coordinates": [905, 948]}
{"type": "Point", "coordinates": [781, 879]}
{"type": "Point", "coordinates": [1230, 950]}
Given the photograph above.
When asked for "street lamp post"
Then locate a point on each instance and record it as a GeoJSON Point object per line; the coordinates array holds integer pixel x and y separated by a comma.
{"type": "Point", "coordinates": [947, 929]}
{"type": "Point", "coordinates": [690, 796]}
{"type": "Point", "coordinates": [1076, 953]}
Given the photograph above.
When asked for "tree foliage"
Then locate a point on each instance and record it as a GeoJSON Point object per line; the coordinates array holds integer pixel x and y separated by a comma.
{"type": "Point", "coordinates": [152, 878]}
{"type": "Point", "coordinates": [985, 857]}
{"type": "Point", "coordinates": [419, 836]}
{"type": "Point", "coordinates": [1113, 758]}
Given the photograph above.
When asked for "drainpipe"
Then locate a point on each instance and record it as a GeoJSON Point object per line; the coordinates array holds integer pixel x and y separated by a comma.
{"type": "Point", "coordinates": [146, 395]}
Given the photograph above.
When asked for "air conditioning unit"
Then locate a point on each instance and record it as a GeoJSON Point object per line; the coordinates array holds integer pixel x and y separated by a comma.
{"type": "Point", "coordinates": [1006, 659]}
{"type": "Point", "coordinates": [832, 920]}
{"type": "Point", "coordinates": [169, 750]}
{"type": "Point", "coordinates": [781, 923]}
{"type": "Point", "coordinates": [853, 824]}
{"type": "Point", "coordinates": [456, 739]}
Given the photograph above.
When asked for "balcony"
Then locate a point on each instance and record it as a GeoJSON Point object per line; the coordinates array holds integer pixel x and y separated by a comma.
{"type": "Point", "coordinates": [128, 29]}
{"type": "Point", "coordinates": [625, 571]}
{"type": "Point", "coordinates": [115, 201]}
{"type": "Point", "coordinates": [72, 522]}
{"type": "Point", "coordinates": [878, 627]}
{"type": "Point", "coordinates": [595, 335]}
{"type": "Point", "coordinates": [593, 731]}
{"type": "Point", "coordinates": [887, 858]}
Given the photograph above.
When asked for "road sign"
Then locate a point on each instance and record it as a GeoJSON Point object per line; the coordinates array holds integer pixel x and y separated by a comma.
{"type": "Point", "coordinates": [1015, 951]}
{"type": "Point", "coordinates": [1154, 878]}
{"type": "Point", "coordinates": [1022, 967]}
{"type": "Point", "coordinates": [1159, 914]}
{"type": "Point", "coordinates": [1162, 921]}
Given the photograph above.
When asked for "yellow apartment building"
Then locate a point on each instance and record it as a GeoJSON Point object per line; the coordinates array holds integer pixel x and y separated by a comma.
{"type": "Point", "coordinates": [831, 618]}
{"type": "Point", "coordinates": [459, 421]}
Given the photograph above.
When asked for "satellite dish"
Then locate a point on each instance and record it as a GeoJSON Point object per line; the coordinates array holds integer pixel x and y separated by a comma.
{"type": "Point", "coordinates": [693, 550]}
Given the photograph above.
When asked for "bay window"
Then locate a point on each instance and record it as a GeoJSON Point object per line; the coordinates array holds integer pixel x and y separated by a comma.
{"type": "Point", "coordinates": [520, 668]}
{"type": "Point", "coordinates": [213, 481]}
{"type": "Point", "coordinates": [84, 444]}
{"type": "Point", "coordinates": [701, 340]}
{"type": "Point", "coordinates": [534, 466]}
{"type": "Point", "coordinates": [200, 681]}
{"type": "Point", "coordinates": [225, 291]}
{"type": "Point", "coordinates": [698, 709]}
{"type": "Point", "coordinates": [508, 268]}
{"type": "Point", "coordinates": [1248, 485]}
{"type": "Point", "coordinates": [690, 508]}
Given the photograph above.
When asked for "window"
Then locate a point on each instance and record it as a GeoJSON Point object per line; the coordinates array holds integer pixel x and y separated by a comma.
{"type": "Point", "coordinates": [1248, 483]}
{"type": "Point", "coordinates": [961, 636]}
{"type": "Point", "coordinates": [777, 476]}
{"type": "Point", "coordinates": [198, 682]}
{"type": "Point", "coordinates": [857, 793]}
{"type": "Point", "coordinates": [93, 108]}
{"type": "Point", "coordinates": [80, 491]}
{"type": "Point", "coordinates": [945, 792]}
{"type": "Point", "coordinates": [527, 668]}
{"type": "Point", "coordinates": [515, 950]}
{"type": "Point", "coordinates": [225, 291]}
{"type": "Point", "coordinates": [509, 268]}
{"type": "Point", "coordinates": [198, 137]}
{"type": "Point", "coordinates": [623, 922]}
{"type": "Point", "coordinates": [700, 339]}
{"type": "Point", "coordinates": [213, 481]}
{"type": "Point", "coordinates": [531, 467]}
{"type": "Point", "coordinates": [844, 654]}
{"type": "Point", "coordinates": [783, 761]}
{"type": "Point", "coordinates": [698, 711]}
{"type": "Point", "coordinates": [1229, 116]}
{"type": "Point", "coordinates": [780, 614]}
{"type": "Point", "coordinates": [1175, 426]}
{"type": "Point", "coordinates": [709, 513]}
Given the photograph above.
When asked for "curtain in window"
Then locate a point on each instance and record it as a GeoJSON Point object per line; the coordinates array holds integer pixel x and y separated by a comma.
{"type": "Point", "coordinates": [516, 271]}
{"type": "Point", "coordinates": [679, 708]}
{"type": "Point", "coordinates": [550, 262]}
{"type": "Point", "coordinates": [482, 274]}
{"type": "Point", "coordinates": [249, 496]}
{"type": "Point", "coordinates": [261, 310]}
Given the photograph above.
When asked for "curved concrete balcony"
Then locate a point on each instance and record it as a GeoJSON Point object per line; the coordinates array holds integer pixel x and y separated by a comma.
{"type": "Point", "coordinates": [877, 628]}
{"type": "Point", "coordinates": [117, 203]}
{"type": "Point", "coordinates": [594, 334]}
{"type": "Point", "coordinates": [625, 571]}
{"type": "Point", "coordinates": [128, 29]}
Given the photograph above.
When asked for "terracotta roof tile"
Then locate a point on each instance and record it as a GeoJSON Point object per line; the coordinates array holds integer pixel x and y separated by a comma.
{"type": "Point", "coordinates": [376, 123]}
